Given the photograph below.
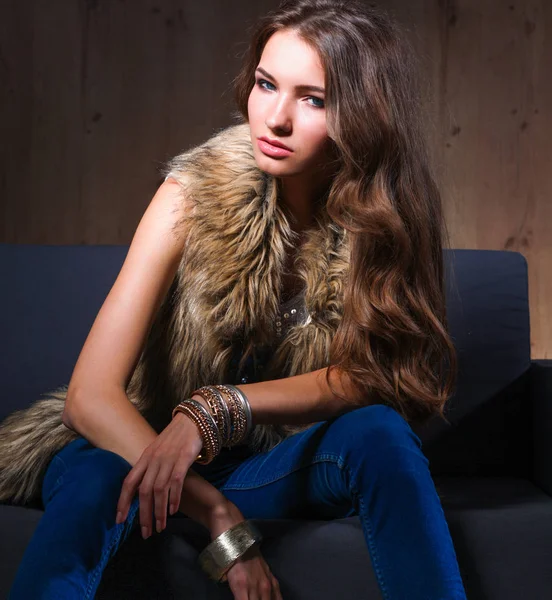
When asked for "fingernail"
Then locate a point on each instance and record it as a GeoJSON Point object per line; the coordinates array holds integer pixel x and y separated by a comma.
{"type": "Point", "coordinates": [119, 517]}
{"type": "Point", "coordinates": [158, 526]}
{"type": "Point", "coordinates": [145, 534]}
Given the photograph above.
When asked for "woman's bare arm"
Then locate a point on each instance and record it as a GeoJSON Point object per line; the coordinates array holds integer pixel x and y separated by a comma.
{"type": "Point", "coordinates": [300, 399]}
{"type": "Point", "coordinates": [97, 406]}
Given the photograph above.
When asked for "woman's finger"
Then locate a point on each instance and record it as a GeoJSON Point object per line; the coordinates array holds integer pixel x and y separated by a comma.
{"type": "Point", "coordinates": [276, 589]}
{"type": "Point", "coordinates": [161, 493]}
{"type": "Point", "coordinates": [145, 493]}
{"type": "Point", "coordinates": [177, 481]}
{"type": "Point", "coordinates": [129, 487]}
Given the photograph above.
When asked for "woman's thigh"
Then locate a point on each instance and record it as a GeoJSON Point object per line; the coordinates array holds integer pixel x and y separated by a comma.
{"type": "Point", "coordinates": [315, 473]}
{"type": "Point", "coordinates": [77, 534]}
{"type": "Point", "coordinates": [95, 468]}
{"type": "Point", "coordinates": [84, 483]}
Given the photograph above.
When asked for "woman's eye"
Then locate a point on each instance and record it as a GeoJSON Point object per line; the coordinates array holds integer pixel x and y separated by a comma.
{"type": "Point", "coordinates": [261, 82]}
{"type": "Point", "coordinates": [321, 105]}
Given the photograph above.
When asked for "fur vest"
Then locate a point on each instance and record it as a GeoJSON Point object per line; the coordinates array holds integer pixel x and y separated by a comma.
{"type": "Point", "coordinates": [226, 292]}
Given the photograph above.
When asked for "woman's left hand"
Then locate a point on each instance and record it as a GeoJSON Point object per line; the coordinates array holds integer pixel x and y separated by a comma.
{"type": "Point", "coordinates": [161, 471]}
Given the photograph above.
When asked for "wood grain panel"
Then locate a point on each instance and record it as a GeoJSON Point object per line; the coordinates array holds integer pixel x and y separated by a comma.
{"type": "Point", "coordinates": [94, 96]}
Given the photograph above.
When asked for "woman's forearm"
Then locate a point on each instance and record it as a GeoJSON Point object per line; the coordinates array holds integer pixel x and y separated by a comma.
{"type": "Point", "coordinates": [300, 399]}
{"type": "Point", "coordinates": [110, 421]}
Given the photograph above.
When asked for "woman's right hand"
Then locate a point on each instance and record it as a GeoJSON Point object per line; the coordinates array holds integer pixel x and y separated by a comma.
{"type": "Point", "coordinates": [249, 577]}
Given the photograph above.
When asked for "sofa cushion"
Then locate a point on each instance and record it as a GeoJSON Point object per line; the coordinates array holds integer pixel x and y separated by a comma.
{"type": "Point", "coordinates": [502, 532]}
{"type": "Point", "coordinates": [488, 313]}
{"type": "Point", "coordinates": [489, 415]}
{"type": "Point", "coordinates": [51, 297]}
{"type": "Point", "coordinates": [501, 528]}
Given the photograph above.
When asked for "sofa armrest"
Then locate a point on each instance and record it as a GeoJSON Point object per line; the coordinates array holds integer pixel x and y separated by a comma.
{"type": "Point", "coordinates": [540, 387]}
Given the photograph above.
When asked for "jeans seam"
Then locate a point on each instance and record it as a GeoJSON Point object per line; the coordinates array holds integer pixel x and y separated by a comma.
{"type": "Point", "coordinates": [61, 461]}
{"type": "Point", "coordinates": [58, 480]}
{"type": "Point", "coordinates": [315, 459]}
{"type": "Point", "coordinates": [363, 514]}
{"type": "Point", "coordinates": [323, 457]}
{"type": "Point", "coordinates": [118, 534]}
{"type": "Point", "coordinates": [101, 565]}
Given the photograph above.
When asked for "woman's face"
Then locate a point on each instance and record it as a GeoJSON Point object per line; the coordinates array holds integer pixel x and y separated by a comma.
{"type": "Point", "coordinates": [283, 106]}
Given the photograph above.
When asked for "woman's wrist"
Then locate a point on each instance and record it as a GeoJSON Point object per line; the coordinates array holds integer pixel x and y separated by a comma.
{"type": "Point", "coordinates": [222, 415]}
{"type": "Point", "coordinates": [222, 517]}
{"type": "Point", "coordinates": [184, 420]}
{"type": "Point", "coordinates": [218, 513]}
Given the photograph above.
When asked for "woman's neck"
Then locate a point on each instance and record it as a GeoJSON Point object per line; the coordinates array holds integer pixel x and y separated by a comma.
{"type": "Point", "coordinates": [300, 196]}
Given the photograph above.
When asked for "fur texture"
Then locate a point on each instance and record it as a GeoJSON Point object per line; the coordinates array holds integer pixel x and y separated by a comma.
{"type": "Point", "coordinates": [227, 288]}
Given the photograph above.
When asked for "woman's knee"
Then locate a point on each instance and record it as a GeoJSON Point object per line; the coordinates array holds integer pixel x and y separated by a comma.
{"type": "Point", "coordinates": [375, 427]}
{"type": "Point", "coordinates": [93, 476]}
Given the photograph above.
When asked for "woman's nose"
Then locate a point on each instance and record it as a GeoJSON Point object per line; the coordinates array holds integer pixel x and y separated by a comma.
{"type": "Point", "coordinates": [280, 116]}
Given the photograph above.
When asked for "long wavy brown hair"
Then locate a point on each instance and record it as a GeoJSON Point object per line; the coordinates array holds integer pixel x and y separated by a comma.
{"type": "Point", "coordinates": [392, 341]}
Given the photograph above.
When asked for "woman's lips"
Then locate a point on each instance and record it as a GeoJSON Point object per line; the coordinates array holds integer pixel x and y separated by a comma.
{"type": "Point", "coordinates": [273, 151]}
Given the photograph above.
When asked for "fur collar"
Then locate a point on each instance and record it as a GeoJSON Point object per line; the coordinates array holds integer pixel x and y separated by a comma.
{"type": "Point", "coordinates": [226, 291]}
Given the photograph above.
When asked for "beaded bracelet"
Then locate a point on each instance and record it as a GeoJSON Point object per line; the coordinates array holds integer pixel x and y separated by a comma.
{"type": "Point", "coordinates": [246, 406]}
{"type": "Point", "coordinates": [207, 428]}
{"type": "Point", "coordinates": [228, 423]}
{"type": "Point", "coordinates": [219, 408]}
{"type": "Point", "coordinates": [241, 415]}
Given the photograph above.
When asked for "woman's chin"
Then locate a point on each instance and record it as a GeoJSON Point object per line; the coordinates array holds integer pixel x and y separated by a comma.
{"type": "Point", "coordinates": [275, 167]}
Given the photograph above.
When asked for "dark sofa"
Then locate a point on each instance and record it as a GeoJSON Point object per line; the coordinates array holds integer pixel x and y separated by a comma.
{"type": "Point", "coordinates": [492, 465]}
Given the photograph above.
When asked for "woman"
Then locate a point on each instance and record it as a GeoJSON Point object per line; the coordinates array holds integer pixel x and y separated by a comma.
{"type": "Point", "coordinates": [264, 266]}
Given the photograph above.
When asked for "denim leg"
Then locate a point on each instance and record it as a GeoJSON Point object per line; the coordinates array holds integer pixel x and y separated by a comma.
{"type": "Point", "coordinates": [367, 462]}
{"type": "Point", "coordinates": [77, 534]}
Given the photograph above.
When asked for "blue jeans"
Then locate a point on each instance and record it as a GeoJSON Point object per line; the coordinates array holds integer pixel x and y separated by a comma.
{"type": "Point", "coordinates": [367, 462]}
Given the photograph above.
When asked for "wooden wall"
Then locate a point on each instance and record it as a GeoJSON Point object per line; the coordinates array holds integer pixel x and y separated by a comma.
{"type": "Point", "coordinates": [95, 95]}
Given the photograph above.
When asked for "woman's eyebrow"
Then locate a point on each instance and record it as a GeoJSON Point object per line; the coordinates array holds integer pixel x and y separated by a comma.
{"type": "Point", "coordinates": [314, 88]}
